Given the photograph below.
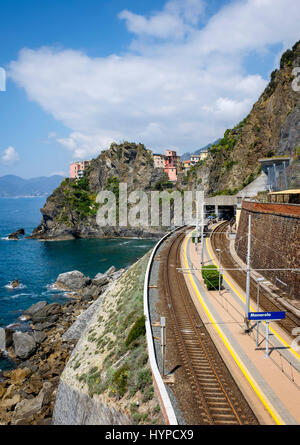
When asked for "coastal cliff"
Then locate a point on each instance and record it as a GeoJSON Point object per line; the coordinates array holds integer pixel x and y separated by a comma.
{"type": "Point", "coordinates": [272, 128]}
{"type": "Point", "coordinates": [84, 362]}
{"type": "Point", "coordinates": [70, 212]}
{"type": "Point", "coordinates": [108, 378]}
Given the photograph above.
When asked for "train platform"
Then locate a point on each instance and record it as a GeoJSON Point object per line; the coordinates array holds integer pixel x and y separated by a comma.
{"type": "Point", "coordinates": [270, 385]}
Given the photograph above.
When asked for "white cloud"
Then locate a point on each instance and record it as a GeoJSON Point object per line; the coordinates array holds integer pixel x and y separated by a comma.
{"type": "Point", "coordinates": [174, 20]}
{"type": "Point", "coordinates": [10, 156]}
{"type": "Point", "coordinates": [181, 87]}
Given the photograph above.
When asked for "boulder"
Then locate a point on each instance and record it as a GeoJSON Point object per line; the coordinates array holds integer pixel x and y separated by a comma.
{"type": "Point", "coordinates": [99, 276]}
{"type": "Point", "coordinates": [47, 313]}
{"type": "Point", "coordinates": [72, 280]}
{"type": "Point", "coordinates": [44, 326]}
{"type": "Point", "coordinates": [8, 337]}
{"type": "Point", "coordinates": [27, 408]}
{"type": "Point", "coordinates": [110, 271]}
{"type": "Point", "coordinates": [39, 336]}
{"type": "Point", "coordinates": [15, 283]}
{"type": "Point", "coordinates": [35, 308]}
{"type": "Point", "coordinates": [19, 375]}
{"type": "Point", "coordinates": [10, 403]}
{"type": "Point", "coordinates": [24, 344]}
{"type": "Point", "coordinates": [100, 281]}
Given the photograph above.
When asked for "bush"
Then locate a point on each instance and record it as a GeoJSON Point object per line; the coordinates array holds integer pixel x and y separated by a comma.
{"type": "Point", "coordinates": [137, 330]}
{"type": "Point", "coordinates": [287, 58]}
{"type": "Point", "coordinates": [210, 275]}
{"type": "Point", "coordinates": [119, 380]}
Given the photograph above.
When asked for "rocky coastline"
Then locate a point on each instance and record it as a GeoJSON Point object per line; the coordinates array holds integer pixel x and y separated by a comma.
{"type": "Point", "coordinates": [41, 350]}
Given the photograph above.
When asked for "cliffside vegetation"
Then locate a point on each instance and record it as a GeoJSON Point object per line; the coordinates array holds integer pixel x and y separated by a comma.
{"type": "Point", "coordinates": [78, 201]}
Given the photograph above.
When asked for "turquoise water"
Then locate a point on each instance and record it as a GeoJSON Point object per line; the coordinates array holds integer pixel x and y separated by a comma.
{"type": "Point", "coordinates": [37, 264]}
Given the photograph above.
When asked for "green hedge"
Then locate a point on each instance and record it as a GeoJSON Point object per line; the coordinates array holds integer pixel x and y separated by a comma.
{"type": "Point", "coordinates": [210, 275]}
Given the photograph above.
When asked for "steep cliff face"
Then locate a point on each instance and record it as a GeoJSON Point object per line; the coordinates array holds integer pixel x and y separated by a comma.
{"type": "Point", "coordinates": [70, 212]}
{"type": "Point", "coordinates": [271, 128]}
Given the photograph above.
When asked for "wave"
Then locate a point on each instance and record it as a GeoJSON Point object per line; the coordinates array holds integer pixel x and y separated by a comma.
{"type": "Point", "coordinates": [17, 296]}
{"type": "Point", "coordinates": [9, 286]}
{"type": "Point", "coordinates": [5, 238]}
{"type": "Point", "coordinates": [69, 294]}
{"type": "Point", "coordinates": [52, 288]}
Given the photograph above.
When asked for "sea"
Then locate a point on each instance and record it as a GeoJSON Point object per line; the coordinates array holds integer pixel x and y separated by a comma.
{"type": "Point", "coordinates": [36, 264]}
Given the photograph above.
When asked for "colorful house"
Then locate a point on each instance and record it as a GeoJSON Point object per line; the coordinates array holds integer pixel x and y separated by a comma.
{"type": "Point", "coordinates": [171, 164]}
{"type": "Point", "coordinates": [159, 160]}
{"type": "Point", "coordinates": [77, 169]}
{"type": "Point", "coordinates": [200, 157]}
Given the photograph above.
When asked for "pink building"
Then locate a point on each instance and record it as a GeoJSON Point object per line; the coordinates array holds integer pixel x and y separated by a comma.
{"type": "Point", "coordinates": [77, 169]}
{"type": "Point", "coordinates": [171, 163]}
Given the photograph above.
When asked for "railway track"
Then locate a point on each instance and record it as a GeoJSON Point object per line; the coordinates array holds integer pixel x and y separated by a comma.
{"type": "Point", "coordinates": [218, 398]}
{"type": "Point", "coordinates": [267, 303]}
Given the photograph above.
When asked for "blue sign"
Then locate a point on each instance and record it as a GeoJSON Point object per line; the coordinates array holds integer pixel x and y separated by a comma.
{"type": "Point", "coordinates": [266, 315]}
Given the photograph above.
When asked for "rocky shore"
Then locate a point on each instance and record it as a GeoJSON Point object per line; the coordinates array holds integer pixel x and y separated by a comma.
{"type": "Point", "coordinates": [41, 351]}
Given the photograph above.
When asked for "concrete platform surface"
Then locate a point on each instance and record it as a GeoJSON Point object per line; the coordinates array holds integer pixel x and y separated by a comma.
{"type": "Point", "coordinates": [271, 385]}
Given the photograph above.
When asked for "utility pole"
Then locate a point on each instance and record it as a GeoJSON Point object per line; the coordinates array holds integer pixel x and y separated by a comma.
{"type": "Point", "coordinates": [247, 308]}
{"type": "Point", "coordinates": [197, 225]}
{"type": "Point", "coordinates": [163, 342]}
{"type": "Point", "coordinates": [202, 234]}
{"type": "Point", "coordinates": [259, 281]}
{"type": "Point", "coordinates": [219, 258]}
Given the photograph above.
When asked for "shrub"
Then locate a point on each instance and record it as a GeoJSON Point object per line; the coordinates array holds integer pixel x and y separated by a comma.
{"type": "Point", "coordinates": [137, 330]}
{"type": "Point", "coordinates": [119, 380]}
{"type": "Point", "coordinates": [287, 58]}
{"type": "Point", "coordinates": [93, 380]}
{"type": "Point", "coordinates": [210, 275]}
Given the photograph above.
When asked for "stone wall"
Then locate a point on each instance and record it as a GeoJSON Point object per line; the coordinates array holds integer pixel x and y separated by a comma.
{"type": "Point", "coordinates": [275, 242]}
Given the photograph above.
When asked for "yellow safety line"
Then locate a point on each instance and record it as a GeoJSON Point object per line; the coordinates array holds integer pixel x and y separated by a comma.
{"type": "Point", "coordinates": [277, 418]}
{"type": "Point", "coordinates": [251, 307]}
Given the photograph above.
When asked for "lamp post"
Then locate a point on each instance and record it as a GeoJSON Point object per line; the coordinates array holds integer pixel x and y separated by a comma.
{"type": "Point", "coordinates": [219, 255]}
{"type": "Point", "coordinates": [259, 281]}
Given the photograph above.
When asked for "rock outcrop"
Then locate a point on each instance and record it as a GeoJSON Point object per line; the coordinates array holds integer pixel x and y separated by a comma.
{"type": "Point", "coordinates": [70, 212]}
{"type": "Point", "coordinates": [271, 128]}
{"type": "Point", "coordinates": [24, 344]}
{"type": "Point", "coordinates": [15, 284]}
{"type": "Point", "coordinates": [15, 235]}
{"type": "Point", "coordinates": [72, 280]}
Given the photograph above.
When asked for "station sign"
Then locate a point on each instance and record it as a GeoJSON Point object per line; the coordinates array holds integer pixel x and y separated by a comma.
{"type": "Point", "coordinates": [278, 315]}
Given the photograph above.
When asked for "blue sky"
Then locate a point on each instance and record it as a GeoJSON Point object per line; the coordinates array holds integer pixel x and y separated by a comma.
{"type": "Point", "coordinates": [82, 73]}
